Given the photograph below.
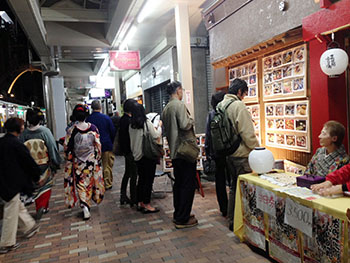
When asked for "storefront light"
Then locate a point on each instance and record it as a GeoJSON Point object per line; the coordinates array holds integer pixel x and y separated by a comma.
{"type": "Point", "coordinates": [334, 60]}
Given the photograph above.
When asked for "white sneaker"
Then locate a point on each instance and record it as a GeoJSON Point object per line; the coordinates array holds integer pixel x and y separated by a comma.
{"type": "Point", "coordinates": [86, 213]}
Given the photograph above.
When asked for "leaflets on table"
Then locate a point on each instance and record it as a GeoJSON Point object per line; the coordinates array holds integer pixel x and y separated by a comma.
{"type": "Point", "coordinates": [301, 192]}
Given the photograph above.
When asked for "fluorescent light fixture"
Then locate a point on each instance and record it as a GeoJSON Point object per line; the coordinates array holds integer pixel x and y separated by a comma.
{"type": "Point", "coordinates": [5, 17]}
{"type": "Point", "coordinates": [92, 79]}
{"type": "Point", "coordinates": [128, 37]}
{"type": "Point", "coordinates": [146, 10]}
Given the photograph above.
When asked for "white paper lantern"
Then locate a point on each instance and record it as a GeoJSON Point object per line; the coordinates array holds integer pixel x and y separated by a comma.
{"type": "Point", "coordinates": [334, 61]}
{"type": "Point", "coordinates": [261, 160]}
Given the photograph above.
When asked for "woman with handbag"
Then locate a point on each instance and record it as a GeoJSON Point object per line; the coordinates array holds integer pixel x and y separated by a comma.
{"type": "Point", "coordinates": [42, 146]}
{"type": "Point", "coordinates": [144, 141]}
{"type": "Point", "coordinates": [218, 164]}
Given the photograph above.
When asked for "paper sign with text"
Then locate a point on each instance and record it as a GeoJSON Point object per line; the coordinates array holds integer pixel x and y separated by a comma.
{"type": "Point", "coordinates": [298, 216]}
{"type": "Point", "coordinates": [265, 201]}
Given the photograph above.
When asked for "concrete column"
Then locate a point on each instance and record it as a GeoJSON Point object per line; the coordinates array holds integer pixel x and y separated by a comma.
{"type": "Point", "coordinates": [183, 45]}
{"type": "Point", "coordinates": [116, 93]}
{"type": "Point", "coordinates": [57, 107]}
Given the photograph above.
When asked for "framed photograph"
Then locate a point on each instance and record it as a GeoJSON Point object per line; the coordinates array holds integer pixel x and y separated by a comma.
{"type": "Point", "coordinates": [287, 125]}
{"type": "Point", "coordinates": [232, 74]}
{"type": "Point", "coordinates": [286, 72]}
{"type": "Point", "coordinates": [254, 111]}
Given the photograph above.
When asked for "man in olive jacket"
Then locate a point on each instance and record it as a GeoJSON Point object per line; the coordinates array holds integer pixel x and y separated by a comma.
{"type": "Point", "coordinates": [241, 119]}
{"type": "Point", "coordinates": [178, 126]}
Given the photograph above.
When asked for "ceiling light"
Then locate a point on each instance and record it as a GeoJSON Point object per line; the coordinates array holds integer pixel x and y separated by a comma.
{"type": "Point", "coordinates": [5, 17]}
{"type": "Point", "coordinates": [129, 36]}
{"type": "Point", "coordinates": [146, 10]}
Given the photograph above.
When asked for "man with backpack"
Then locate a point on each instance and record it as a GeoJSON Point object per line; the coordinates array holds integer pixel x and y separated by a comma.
{"type": "Point", "coordinates": [241, 136]}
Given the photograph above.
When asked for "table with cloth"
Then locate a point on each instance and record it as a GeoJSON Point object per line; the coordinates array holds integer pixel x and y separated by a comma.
{"type": "Point", "coordinates": [326, 242]}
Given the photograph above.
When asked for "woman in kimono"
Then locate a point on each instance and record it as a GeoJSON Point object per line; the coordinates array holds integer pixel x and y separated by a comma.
{"type": "Point", "coordinates": [42, 146]}
{"type": "Point", "coordinates": [83, 173]}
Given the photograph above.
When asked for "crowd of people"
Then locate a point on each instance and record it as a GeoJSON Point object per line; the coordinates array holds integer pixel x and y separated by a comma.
{"type": "Point", "coordinates": [30, 159]}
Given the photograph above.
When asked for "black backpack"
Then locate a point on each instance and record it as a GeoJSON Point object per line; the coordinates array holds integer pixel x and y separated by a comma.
{"type": "Point", "coordinates": [225, 139]}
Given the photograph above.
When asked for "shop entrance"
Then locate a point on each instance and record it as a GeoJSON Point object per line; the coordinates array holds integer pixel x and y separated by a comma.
{"type": "Point", "coordinates": [157, 97]}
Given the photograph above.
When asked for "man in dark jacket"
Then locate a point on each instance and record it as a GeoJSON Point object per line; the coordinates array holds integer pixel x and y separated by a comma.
{"type": "Point", "coordinates": [18, 172]}
{"type": "Point", "coordinates": [130, 165]}
{"type": "Point", "coordinates": [107, 132]}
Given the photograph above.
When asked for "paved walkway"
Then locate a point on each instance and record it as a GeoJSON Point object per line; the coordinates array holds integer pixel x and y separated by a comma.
{"type": "Point", "coordinates": [120, 234]}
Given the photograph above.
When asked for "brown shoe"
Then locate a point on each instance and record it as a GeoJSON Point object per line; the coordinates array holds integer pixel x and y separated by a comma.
{"type": "Point", "coordinates": [35, 229]}
{"type": "Point", "coordinates": [4, 250]}
{"type": "Point", "coordinates": [190, 223]}
{"type": "Point", "coordinates": [191, 215]}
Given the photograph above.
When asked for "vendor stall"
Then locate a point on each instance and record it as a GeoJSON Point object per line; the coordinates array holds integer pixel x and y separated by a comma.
{"type": "Point", "coordinates": [292, 223]}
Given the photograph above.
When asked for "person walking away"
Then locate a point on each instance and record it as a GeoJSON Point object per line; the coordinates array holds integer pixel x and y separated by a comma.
{"type": "Point", "coordinates": [18, 172]}
{"type": "Point", "coordinates": [146, 167]}
{"type": "Point", "coordinates": [179, 127]}
{"type": "Point", "coordinates": [42, 147]}
{"type": "Point", "coordinates": [242, 123]}
{"type": "Point", "coordinates": [83, 174]}
{"type": "Point", "coordinates": [220, 161]}
{"type": "Point", "coordinates": [130, 172]}
{"type": "Point", "coordinates": [107, 133]}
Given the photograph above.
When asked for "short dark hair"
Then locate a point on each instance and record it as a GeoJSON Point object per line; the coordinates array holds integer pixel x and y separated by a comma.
{"type": "Point", "coordinates": [138, 116]}
{"type": "Point", "coordinates": [172, 86]}
{"type": "Point", "coordinates": [80, 112]}
{"type": "Point", "coordinates": [96, 105]}
{"type": "Point", "coordinates": [34, 116]}
{"type": "Point", "coordinates": [236, 85]}
{"type": "Point", "coordinates": [128, 105]}
{"type": "Point", "coordinates": [14, 124]}
{"type": "Point", "coordinates": [336, 129]}
{"type": "Point", "coordinates": [216, 98]}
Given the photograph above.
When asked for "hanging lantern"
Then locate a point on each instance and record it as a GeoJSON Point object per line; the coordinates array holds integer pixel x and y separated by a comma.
{"type": "Point", "coordinates": [334, 61]}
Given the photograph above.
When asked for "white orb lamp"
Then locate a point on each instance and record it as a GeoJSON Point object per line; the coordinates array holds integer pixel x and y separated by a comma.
{"type": "Point", "coordinates": [261, 160]}
{"type": "Point", "coordinates": [334, 60]}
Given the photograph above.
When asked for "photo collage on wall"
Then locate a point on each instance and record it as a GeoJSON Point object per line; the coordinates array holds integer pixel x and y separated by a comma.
{"type": "Point", "coordinates": [254, 110]}
{"type": "Point", "coordinates": [249, 73]}
{"type": "Point", "coordinates": [287, 125]}
{"type": "Point", "coordinates": [167, 164]}
{"type": "Point", "coordinates": [284, 74]}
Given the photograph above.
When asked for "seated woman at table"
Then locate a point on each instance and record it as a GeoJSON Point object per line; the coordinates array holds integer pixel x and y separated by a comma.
{"type": "Point", "coordinates": [337, 182]}
{"type": "Point", "coordinates": [331, 156]}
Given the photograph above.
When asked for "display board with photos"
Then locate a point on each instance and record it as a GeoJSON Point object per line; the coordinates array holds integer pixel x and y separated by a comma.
{"type": "Point", "coordinates": [284, 74]}
{"type": "Point", "coordinates": [249, 73]}
{"type": "Point", "coordinates": [287, 125]}
{"type": "Point", "coordinates": [254, 110]}
{"type": "Point", "coordinates": [167, 164]}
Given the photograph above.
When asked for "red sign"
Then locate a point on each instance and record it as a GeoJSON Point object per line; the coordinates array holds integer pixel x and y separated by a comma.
{"type": "Point", "coordinates": [124, 60]}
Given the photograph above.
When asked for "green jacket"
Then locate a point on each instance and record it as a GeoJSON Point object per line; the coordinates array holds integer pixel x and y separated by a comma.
{"type": "Point", "coordinates": [241, 118]}
{"type": "Point", "coordinates": [178, 125]}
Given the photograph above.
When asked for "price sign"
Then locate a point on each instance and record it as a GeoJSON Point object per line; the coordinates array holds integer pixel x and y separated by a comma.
{"type": "Point", "coordinates": [298, 216]}
{"type": "Point", "coordinates": [265, 201]}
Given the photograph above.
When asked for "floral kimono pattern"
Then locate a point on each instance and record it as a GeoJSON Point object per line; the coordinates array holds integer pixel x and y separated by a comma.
{"type": "Point", "coordinates": [83, 178]}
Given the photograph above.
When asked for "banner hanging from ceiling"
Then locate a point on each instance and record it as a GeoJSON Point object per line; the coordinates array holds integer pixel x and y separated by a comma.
{"type": "Point", "coordinates": [124, 60]}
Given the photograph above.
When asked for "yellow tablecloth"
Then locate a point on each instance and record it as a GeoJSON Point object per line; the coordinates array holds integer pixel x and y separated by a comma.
{"type": "Point", "coordinates": [334, 206]}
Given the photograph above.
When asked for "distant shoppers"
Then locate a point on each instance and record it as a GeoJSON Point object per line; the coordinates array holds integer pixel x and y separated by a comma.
{"type": "Point", "coordinates": [42, 147]}
{"type": "Point", "coordinates": [18, 173]}
{"type": "Point", "coordinates": [83, 172]}
{"type": "Point", "coordinates": [331, 155]}
{"type": "Point", "coordinates": [146, 167]}
{"type": "Point", "coordinates": [107, 133]}
{"type": "Point", "coordinates": [178, 126]}
{"type": "Point", "coordinates": [220, 167]}
{"type": "Point", "coordinates": [115, 120]}
{"type": "Point", "coordinates": [241, 120]}
{"type": "Point", "coordinates": [130, 165]}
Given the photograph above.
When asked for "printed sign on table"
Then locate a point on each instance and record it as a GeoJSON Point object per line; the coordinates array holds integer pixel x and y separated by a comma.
{"type": "Point", "coordinates": [265, 201]}
{"type": "Point", "coordinates": [298, 216]}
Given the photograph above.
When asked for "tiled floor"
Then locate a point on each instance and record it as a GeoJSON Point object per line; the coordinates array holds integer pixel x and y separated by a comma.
{"type": "Point", "coordinates": [121, 234]}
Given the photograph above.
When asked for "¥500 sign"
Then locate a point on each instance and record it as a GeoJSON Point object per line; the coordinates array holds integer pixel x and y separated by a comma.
{"type": "Point", "coordinates": [298, 216]}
